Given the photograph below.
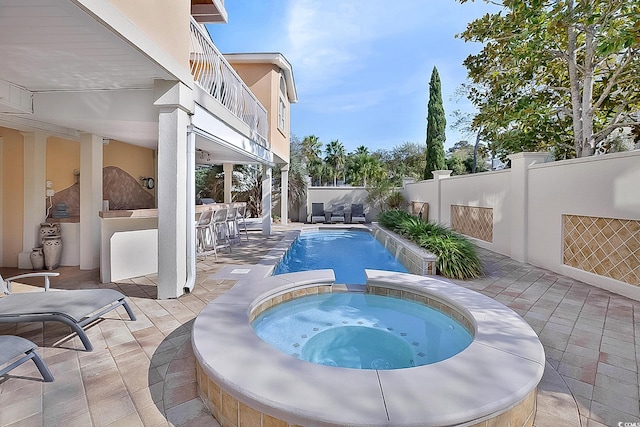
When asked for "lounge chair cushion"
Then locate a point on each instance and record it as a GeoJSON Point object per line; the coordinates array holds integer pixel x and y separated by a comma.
{"type": "Point", "coordinates": [77, 304]}
{"type": "Point", "coordinates": [75, 308]}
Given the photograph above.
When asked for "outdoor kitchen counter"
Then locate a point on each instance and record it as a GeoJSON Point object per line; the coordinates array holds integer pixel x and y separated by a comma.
{"type": "Point", "coordinates": [129, 241]}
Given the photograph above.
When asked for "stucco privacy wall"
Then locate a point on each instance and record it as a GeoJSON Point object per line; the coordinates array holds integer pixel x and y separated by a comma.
{"type": "Point", "coordinates": [530, 200]}
{"type": "Point", "coordinates": [335, 196]}
{"type": "Point", "coordinates": [463, 191]}
{"type": "Point", "coordinates": [603, 186]}
{"type": "Point", "coordinates": [424, 191]}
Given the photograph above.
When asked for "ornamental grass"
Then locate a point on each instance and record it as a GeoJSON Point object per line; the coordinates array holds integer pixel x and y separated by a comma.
{"type": "Point", "coordinates": [457, 258]}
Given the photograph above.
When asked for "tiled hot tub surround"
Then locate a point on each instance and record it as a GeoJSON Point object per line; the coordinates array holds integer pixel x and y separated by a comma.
{"type": "Point", "coordinates": [246, 382]}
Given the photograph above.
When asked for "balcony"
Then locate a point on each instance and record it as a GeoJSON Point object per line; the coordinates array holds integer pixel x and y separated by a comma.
{"type": "Point", "coordinates": [212, 72]}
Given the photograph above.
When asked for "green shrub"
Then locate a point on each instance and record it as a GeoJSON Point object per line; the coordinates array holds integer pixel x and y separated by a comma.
{"type": "Point", "coordinates": [457, 258]}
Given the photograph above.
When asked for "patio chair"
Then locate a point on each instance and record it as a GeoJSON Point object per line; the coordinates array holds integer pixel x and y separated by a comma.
{"type": "Point", "coordinates": [337, 214]}
{"type": "Point", "coordinates": [74, 308]}
{"type": "Point", "coordinates": [357, 213]}
{"type": "Point", "coordinates": [13, 347]}
{"type": "Point", "coordinates": [317, 213]}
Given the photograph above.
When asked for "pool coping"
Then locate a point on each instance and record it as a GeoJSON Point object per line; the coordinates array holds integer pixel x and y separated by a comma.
{"type": "Point", "coordinates": [501, 367]}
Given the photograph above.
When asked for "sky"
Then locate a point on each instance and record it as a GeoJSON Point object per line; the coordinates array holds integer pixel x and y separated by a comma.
{"type": "Point", "coordinates": [361, 67]}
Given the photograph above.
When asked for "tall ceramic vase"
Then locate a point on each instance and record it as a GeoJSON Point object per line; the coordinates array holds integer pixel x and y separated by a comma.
{"type": "Point", "coordinates": [37, 258]}
{"type": "Point", "coordinates": [49, 229]}
{"type": "Point", "coordinates": [52, 249]}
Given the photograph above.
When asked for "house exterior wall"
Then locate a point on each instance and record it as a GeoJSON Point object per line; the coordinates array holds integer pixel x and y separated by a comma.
{"type": "Point", "coordinates": [136, 161]}
{"type": "Point", "coordinates": [12, 195]}
{"type": "Point", "coordinates": [63, 157]}
{"type": "Point", "coordinates": [166, 22]}
{"type": "Point", "coordinates": [264, 81]}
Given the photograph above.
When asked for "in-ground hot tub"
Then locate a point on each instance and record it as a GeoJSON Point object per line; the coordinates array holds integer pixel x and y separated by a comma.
{"type": "Point", "coordinates": [247, 382]}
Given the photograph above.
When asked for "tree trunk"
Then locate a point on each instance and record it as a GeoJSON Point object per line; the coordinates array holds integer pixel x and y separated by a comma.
{"type": "Point", "coordinates": [574, 83]}
{"type": "Point", "coordinates": [475, 151]}
{"type": "Point", "coordinates": [588, 144]}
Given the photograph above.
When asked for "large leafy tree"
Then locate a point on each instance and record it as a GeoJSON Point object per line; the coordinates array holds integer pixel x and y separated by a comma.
{"type": "Point", "coordinates": [404, 160]}
{"type": "Point", "coordinates": [560, 74]}
{"type": "Point", "coordinates": [436, 126]}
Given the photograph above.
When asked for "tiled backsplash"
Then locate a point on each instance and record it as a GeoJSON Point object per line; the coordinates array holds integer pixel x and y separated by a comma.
{"type": "Point", "coordinates": [118, 187]}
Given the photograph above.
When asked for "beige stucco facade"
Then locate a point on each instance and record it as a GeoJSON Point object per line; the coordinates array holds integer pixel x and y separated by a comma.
{"type": "Point", "coordinates": [164, 21]}
{"type": "Point", "coordinates": [270, 78]}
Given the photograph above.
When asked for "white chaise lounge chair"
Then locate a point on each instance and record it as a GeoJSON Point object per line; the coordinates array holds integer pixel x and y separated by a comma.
{"type": "Point", "coordinates": [75, 308]}
{"type": "Point", "coordinates": [13, 347]}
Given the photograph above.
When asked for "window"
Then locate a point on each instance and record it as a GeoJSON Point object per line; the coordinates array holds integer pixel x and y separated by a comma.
{"type": "Point", "coordinates": [282, 109]}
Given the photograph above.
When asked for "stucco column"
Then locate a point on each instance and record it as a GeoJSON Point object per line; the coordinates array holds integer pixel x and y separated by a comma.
{"type": "Point", "coordinates": [91, 148]}
{"type": "Point", "coordinates": [520, 163]}
{"type": "Point", "coordinates": [437, 210]}
{"type": "Point", "coordinates": [266, 200]}
{"type": "Point", "coordinates": [228, 181]}
{"type": "Point", "coordinates": [284, 195]}
{"type": "Point", "coordinates": [35, 169]}
{"type": "Point", "coordinates": [175, 101]}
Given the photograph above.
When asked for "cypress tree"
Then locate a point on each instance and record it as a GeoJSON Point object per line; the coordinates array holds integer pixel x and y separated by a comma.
{"type": "Point", "coordinates": [436, 125]}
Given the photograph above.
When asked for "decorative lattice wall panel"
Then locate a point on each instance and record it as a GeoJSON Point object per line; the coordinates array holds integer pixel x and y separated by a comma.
{"type": "Point", "coordinates": [473, 221]}
{"type": "Point", "coordinates": [605, 246]}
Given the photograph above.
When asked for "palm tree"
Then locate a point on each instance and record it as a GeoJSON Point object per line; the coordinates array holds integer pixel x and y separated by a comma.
{"type": "Point", "coordinates": [336, 158]}
{"type": "Point", "coordinates": [362, 166]}
{"type": "Point", "coordinates": [311, 149]}
{"type": "Point", "coordinates": [297, 174]}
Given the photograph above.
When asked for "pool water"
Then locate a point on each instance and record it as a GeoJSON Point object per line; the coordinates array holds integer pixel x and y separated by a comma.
{"type": "Point", "coordinates": [347, 252]}
{"type": "Point", "coordinates": [362, 331]}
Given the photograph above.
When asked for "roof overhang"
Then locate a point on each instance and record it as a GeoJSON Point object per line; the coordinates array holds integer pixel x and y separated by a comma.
{"type": "Point", "coordinates": [209, 11]}
{"type": "Point", "coordinates": [276, 59]}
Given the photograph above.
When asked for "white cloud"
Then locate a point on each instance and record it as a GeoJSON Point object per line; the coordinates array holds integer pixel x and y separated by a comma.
{"type": "Point", "coordinates": [332, 39]}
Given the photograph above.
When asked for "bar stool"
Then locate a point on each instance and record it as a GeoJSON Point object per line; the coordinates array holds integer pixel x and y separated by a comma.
{"type": "Point", "coordinates": [241, 220]}
{"type": "Point", "coordinates": [232, 224]}
{"type": "Point", "coordinates": [205, 240]}
{"type": "Point", "coordinates": [220, 230]}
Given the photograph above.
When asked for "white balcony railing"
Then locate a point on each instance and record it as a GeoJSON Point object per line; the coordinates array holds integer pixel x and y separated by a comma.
{"type": "Point", "coordinates": [215, 75]}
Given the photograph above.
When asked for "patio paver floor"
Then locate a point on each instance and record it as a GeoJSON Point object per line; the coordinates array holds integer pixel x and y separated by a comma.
{"type": "Point", "coordinates": [143, 372]}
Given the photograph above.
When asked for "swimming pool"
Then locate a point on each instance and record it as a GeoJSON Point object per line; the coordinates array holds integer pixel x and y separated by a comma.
{"type": "Point", "coordinates": [347, 252]}
{"type": "Point", "coordinates": [361, 331]}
